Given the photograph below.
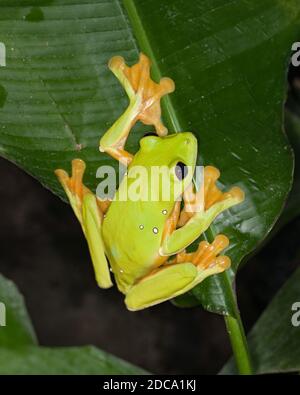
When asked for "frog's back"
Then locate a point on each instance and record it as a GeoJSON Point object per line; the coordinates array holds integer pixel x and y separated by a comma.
{"type": "Point", "coordinates": [132, 233]}
{"type": "Point", "coordinates": [133, 228]}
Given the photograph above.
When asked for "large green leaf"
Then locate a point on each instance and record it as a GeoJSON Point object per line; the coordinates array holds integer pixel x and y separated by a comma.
{"type": "Point", "coordinates": [292, 208]}
{"type": "Point", "coordinates": [228, 59]}
{"type": "Point", "coordinates": [20, 354]}
{"type": "Point", "coordinates": [71, 360]}
{"type": "Point", "coordinates": [274, 341]}
{"type": "Point", "coordinates": [292, 125]}
{"type": "Point", "coordinates": [18, 330]}
{"type": "Point", "coordinates": [292, 128]}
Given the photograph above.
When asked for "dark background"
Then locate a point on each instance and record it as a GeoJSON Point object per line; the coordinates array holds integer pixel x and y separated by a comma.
{"type": "Point", "coordinates": [43, 251]}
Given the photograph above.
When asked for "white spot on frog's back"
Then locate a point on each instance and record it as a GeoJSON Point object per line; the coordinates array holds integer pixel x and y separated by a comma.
{"type": "Point", "coordinates": [132, 234]}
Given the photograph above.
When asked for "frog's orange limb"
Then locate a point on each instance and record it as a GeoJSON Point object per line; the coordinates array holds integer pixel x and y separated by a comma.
{"type": "Point", "coordinates": [212, 194]}
{"type": "Point", "coordinates": [87, 209]}
{"type": "Point", "coordinates": [138, 83]}
{"type": "Point", "coordinates": [73, 186]}
{"type": "Point", "coordinates": [103, 204]}
{"type": "Point", "coordinates": [75, 189]}
{"type": "Point", "coordinates": [172, 221]}
{"type": "Point", "coordinates": [170, 226]}
{"type": "Point", "coordinates": [190, 199]}
{"type": "Point", "coordinates": [204, 199]}
{"type": "Point", "coordinates": [144, 95]}
{"type": "Point", "coordinates": [206, 254]}
{"type": "Point", "coordinates": [120, 154]}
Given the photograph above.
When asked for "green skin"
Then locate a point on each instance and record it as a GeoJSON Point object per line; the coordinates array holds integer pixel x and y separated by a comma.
{"type": "Point", "coordinates": [132, 251]}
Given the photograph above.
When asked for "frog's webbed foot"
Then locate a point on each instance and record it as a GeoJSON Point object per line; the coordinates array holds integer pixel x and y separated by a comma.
{"type": "Point", "coordinates": [208, 195]}
{"type": "Point", "coordinates": [88, 212]}
{"type": "Point", "coordinates": [76, 190]}
{"type": "Point", "coordinates": [212, 194]}
{"type": "Point", "coordinates": [142, 90]}
{"type": "Point", "coordinates": [144, 105]}
{"type": "Point", "coordinates": [200, 211]}
{"type": "Point", "coordinates": [179, 275]}
{"type": "Point", "coordinates": [207, 255]}
{"type": "Point", "coordinates": [73, 185]}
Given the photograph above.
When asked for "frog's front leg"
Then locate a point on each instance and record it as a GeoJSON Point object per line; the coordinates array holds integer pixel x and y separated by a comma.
{"type": "Point", "coordinates": [194, 223]}
{"type": "Point", "coordinates": [87, 209]}
{"type": "Point", "coordinates": [180, 275]}
{"type": "Point", "coordinates": [144, 105]}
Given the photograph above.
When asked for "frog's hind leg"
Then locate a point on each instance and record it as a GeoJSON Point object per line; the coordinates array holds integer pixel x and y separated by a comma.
{"type": "Point", "coordinates": [87, 209]}
{"type": "Point", "coordinates": [206, 255]}
{"type": "Point", "coordinates": [179, 275]}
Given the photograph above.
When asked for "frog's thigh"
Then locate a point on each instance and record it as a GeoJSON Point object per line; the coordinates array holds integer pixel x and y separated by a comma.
{"type": "Point", "coordinates": [165, 284]}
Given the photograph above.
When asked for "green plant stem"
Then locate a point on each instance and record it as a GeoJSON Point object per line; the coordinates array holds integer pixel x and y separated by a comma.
{"type": "Point", "coordinates": [235, 329]}
{"type": "Point", "coordinates": [234, 324]}
{"type": "Point", "coordinates": [239, 344]}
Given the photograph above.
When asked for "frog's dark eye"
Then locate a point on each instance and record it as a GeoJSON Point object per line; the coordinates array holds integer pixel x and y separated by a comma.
{"type": "Point", "coordinates": [150, 134]}
{"type": "Point", "coordinates": [181, 170]}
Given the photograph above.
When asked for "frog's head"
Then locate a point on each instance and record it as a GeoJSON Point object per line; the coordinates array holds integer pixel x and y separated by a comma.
{"type": "Point", "coordinates": [178, 152]}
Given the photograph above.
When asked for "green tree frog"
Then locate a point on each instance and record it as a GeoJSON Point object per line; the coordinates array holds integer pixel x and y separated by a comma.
{"type": "Point", "coordinates": [143, 243]}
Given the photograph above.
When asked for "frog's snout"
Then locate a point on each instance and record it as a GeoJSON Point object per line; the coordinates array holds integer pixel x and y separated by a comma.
{"type": "Point", "coordinates": [189, 138]}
